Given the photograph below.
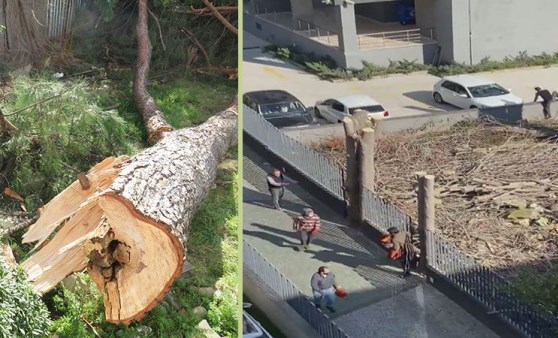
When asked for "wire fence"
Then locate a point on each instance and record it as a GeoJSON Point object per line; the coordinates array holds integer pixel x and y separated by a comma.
{"type": "Point", "coordinates": [485, 286]}
{"type": "Point", "coordinates": [287, 291]}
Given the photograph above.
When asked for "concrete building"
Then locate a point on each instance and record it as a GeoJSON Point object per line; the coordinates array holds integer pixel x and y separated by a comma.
{"type": "Point", "coordinates": [448, 31]}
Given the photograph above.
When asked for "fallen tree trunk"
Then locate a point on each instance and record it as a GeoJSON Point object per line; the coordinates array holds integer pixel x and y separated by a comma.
{"type": "Point", "coordinates": [129, 227]}
{"type": "Point", "coordinates": [153, 118]}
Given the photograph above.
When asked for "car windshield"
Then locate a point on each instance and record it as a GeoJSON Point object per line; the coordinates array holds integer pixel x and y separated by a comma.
{"type": "Point", "coordinates": [281, 109]}
{"type": "Point", "coordinates": [488, 90]}
{"type": "Point", "coordinates": [370, 109]}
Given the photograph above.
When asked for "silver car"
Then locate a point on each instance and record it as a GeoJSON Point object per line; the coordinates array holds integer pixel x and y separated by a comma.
{"type": "Point", "coordinates": [334, 110]}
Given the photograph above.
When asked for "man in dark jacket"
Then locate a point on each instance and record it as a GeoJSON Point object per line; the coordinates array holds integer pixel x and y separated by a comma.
{"type": "Point", "coordinates": [276, 186]}
{"type": "Point", "coordinates": [323, 286]}
{"type": "Point", "coordinates": [547, 99]}
{"type": "Point", "coordinates": [307, 225]}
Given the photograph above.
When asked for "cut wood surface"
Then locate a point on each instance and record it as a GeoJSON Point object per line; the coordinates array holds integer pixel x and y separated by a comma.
{"type": "Point", "coordinates": [129, 228]}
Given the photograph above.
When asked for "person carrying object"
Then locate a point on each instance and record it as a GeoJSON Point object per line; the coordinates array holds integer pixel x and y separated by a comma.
{"type": "Point", "coordinates": [308, 225]}
{"type": "Point", "coordinates": [324, 286]}
{"type": "Point", "coordinates": [401, 248]}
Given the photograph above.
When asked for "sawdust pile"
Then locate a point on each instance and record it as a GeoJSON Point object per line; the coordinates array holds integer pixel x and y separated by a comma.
{"type": "Point", "coordinates": [497, 187]}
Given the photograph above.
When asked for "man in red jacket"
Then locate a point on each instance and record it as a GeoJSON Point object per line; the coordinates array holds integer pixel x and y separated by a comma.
{"type": "Point", "coordinates": [307, 225]}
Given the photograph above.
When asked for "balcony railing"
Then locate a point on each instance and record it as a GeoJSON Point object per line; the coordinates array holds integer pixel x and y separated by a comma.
{"type": "Point", "coordinates": [394, 38]}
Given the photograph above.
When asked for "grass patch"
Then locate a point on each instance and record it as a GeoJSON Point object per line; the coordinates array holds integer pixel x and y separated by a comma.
{"type": "Point", "coordinates": [326, 68]}
{"type": "Point", "coordinates": [190, 101]}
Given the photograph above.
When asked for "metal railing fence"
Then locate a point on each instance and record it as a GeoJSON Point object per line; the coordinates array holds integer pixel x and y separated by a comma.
{"type": "Point", "coordinates": [394, 38]}
{"type": "Point", "coordinates": [487, 287]}
{"type": "Point", "coordinates": [309, 162]}
{"type": "Point", "coordinates": [382, 214]}
{"type": "Point", "coordinates": [60, 16]}
{"type": "Point", "coordinates": [461, 270]}
{"type": "Point", "coordinates": [288, 292]}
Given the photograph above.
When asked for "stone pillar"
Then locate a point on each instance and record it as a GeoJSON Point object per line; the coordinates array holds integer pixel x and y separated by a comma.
{"type": "Point", "coordinates": [346, 28]}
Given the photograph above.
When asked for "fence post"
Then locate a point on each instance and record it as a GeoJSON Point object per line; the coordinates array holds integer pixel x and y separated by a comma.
{"type": "Point", "coordinates": [426, 214]}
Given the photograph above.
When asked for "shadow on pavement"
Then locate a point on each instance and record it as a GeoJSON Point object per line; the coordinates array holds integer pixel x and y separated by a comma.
{"type": "Point", "coordinates": [425, 97]}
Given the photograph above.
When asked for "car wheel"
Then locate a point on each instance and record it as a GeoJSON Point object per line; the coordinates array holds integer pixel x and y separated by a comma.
{"type": "Point", "coordinates": [317, 112]}
{"type": "Point", "coordinates": [473, 107]}
{"type": "Point", "coordinates": [438, 98]}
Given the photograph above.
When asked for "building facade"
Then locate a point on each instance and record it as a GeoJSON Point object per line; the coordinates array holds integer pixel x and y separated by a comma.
{"type": "Point", "coordinates": [447, 31]}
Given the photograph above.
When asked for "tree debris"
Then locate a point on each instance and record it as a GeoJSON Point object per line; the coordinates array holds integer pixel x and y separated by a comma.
{"type": "Point", "coordinates": [498, 187]}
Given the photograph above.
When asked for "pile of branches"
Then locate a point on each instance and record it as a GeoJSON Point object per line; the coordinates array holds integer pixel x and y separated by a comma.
{"type": "Point", "coordinates": [496, 186]}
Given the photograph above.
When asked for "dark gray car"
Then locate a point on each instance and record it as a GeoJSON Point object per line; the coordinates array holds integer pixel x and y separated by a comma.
{"type": "Point", "coordinates": [280, 108]}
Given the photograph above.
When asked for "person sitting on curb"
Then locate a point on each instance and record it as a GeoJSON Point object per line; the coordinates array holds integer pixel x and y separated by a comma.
{"type": "Point", "coordinates": [323, 286]}
{"type": "Point", "coordinates": [401, 248]}
{"type": "Point", "coordinates": [307, 225]}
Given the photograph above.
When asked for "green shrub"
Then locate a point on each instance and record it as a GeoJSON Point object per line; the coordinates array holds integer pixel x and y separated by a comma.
{"type": "Point", "coordinates": [326, 68]}
{"type": "Point", "coordinates": [70, 306]}
{"type": "Point", "coordinates": [22, 313]}
{"type": "Point", "coordinates": [223, 310]}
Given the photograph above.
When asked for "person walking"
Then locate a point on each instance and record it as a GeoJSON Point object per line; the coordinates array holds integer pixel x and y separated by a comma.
{"type": "Point", "coordinates": [308, 226]}
{"type": "Point", "coordinates": [323, 286]}
{"type": "Point", "coordinates": [547, 99]}
{"type": "Point", "coordinates": [401, 248]}
{"type": "Point", "coordinates": [276, 187]}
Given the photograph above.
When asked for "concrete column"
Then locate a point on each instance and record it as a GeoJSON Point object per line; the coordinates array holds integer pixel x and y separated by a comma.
{"type": "Point", "coordinates": [346, 28]}
{"type": "Point", "coordinates": [426, 214]}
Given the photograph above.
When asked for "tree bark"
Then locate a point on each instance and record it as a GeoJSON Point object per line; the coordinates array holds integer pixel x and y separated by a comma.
{"type": "Point", "coordinates": [153, 118]}
{"type": "Point", "coordinates": [130, 227]}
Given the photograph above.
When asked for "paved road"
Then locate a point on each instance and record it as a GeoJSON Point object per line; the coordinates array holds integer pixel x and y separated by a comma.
{"type": "Point", "coordinates": [402, 95]}
{"type": "Point", "coordinates": [377, 295]}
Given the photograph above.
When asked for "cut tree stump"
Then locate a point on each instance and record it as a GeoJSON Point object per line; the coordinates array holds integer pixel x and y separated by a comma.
{"type": "Point", "coordinates": [130, 226]}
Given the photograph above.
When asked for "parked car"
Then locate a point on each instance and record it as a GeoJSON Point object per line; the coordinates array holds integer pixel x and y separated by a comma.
{"type": "Point", "coordinates": [279, 108]}
{"type": "Point", "coordinates": [251, 328]}
{"type": "Point", "coordinates": [471, 92]}
{"type": "Point", "coordinates": [334, 110]}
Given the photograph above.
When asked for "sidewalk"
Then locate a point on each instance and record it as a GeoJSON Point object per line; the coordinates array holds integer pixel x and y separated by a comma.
{"type": "Point", "coordinates": [380, 303]}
